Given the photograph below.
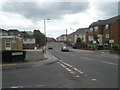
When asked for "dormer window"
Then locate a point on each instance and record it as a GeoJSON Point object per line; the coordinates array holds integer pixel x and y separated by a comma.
{"type": "Point", "coordinates": [107, 26]}
{"type": "Point", "coordinates": [91, 29]}
{"type": "Point", "coordinates": [96, 28]}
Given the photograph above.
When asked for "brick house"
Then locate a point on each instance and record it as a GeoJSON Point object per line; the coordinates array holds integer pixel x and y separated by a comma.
{"type": "Point", "coordinates": [104, 31]}
{"type": "Point", "coordinates": [111, 31]}
{"type": "Point", "coordinates": [95, 32]}
{"type": "Point", "coordinates": [11, 43]}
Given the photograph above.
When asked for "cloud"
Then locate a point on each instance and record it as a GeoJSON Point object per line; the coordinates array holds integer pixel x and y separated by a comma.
{"type": "Point", "coordinates": [109, 9]}
{"type": "Point", "coordinates": [119, 8]}
{"type": "Point", "coordinates": [37, 11]}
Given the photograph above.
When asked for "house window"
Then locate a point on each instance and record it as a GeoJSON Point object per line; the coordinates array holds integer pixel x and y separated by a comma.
{"type": "Point", "coordinates": [96, 28]}
{"type": "Point", "coordinates": [107, 35]}
{"type": "Point", "coordinates": [7, 45]}
{"type": "Point", "coordinates": [107, 26]}
{"type": "Point", "coordinates": [25, 39]}
{"type": "Point", "coordinates": [91, 29]}
{"type": "Point", "coordinates": [90, 38]}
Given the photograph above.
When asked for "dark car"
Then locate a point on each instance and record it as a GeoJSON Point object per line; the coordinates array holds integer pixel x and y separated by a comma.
{"type": "Point", "coordinates": [64, 48]}
{"type": "Point", "coordinates": [50, 47]}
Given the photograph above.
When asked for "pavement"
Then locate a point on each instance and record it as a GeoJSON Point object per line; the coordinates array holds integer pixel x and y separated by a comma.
{"type": "Point", "coordinates": [49, 59]}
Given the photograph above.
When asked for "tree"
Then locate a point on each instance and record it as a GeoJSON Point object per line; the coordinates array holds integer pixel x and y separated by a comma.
{"type": "Point", "coordinates": [39, 37]}
{"type": "Point", "coordinates": [79, 40]}
{"type": "Point", "coordinates": [96, 38]}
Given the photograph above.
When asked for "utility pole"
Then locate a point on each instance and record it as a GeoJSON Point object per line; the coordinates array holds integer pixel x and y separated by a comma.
{"type": "Point", "coordinates": [66, 35]}
{"type": "Point", "coordinates": [72, 36]}
{"type": "Point", "coordinates": [45, 34]}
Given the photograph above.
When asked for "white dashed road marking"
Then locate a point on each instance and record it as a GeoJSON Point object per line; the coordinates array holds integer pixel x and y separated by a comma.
{"type": "Point", "coordinates": [72, 69]}
{"type": "Point", "coordinates": [109, 63]}
{"type": "Point", "coordinates": [93, 79]}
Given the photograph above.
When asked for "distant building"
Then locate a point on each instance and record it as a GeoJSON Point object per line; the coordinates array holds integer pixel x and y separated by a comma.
{"type": "Point", "coordinates": [62, 38]}
{"type": "Point", "coordinates": [29, 33]}
{"type": "Point", "coordinates": [28, 41]}
{"type": "Point", "coordinates": [71, 38]}
{"type": "Point", "coordinates": [51, 39]}
{"type": "Point", "coordinates": [80, 33]}
{"type": "Point", "coordinates": [14, 32]}
{"type": "Point", "coordinates": [3, 32]}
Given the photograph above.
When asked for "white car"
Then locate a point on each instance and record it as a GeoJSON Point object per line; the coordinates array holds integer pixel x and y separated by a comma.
{"type": "Point", "coordinates": [64, 48]}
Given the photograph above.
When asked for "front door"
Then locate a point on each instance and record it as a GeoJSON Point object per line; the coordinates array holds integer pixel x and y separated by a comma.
{"type": "Point", "coordinates": [7, 45]}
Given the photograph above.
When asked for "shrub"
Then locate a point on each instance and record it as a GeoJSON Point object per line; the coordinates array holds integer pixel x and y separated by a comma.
{"type": "Point", "coordinates": [100, 47]}
{"type": "Point", "coordinates": [116, 47]}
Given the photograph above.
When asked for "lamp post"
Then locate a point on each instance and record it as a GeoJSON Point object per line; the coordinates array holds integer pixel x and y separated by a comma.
{"type": "Point", "coordinates": [66, 35]}
{"type": "Point", "coordinates": [72, 36]}
{"type": "Point", "coordinates": [45, 34]}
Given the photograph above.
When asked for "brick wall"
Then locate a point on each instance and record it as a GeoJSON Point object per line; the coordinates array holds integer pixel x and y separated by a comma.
{"type": "Point", "coordinates": [115, 32]}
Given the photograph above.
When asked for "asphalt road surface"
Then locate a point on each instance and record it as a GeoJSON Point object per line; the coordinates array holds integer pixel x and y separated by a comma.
{"type": "Point", "coordinates": [74, 69]}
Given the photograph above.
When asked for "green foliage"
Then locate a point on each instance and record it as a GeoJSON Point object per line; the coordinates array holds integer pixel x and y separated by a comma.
{"type": "Point", "coordinates": [39, 37]}
{"type": "Point", "coordinates": [79, 40]}
{"type": "Point", "coordinates": [96, 38]}
{"type": "Point", "coordinates": [116, 47]}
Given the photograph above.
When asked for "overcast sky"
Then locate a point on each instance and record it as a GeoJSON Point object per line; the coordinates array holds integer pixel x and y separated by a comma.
{"type": "Point", "coordinates": [29, 15]}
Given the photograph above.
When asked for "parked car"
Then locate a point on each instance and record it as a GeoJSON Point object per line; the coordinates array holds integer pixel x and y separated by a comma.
{"type": "Point", "coordinates": [50, 47]}
{"type": "Point", "coordinates": [64, 48]}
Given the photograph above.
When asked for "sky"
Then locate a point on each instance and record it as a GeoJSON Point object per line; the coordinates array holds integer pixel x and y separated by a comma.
{"type": "Point", "coordinates": [28, 15]}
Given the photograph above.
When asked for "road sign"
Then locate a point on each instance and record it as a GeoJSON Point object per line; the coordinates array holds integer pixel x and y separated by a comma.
{"type": "Point", "coordinates": [111, 41]}
{"type": "Point", "coordinates": [94, 42]}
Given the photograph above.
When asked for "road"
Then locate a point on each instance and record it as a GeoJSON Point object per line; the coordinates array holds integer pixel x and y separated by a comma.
{"type": "Point", "coordinates": [74, 69]}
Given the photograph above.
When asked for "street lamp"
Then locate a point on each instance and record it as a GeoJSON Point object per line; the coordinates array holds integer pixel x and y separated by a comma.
{"type": "Point", "coordinates": [45, 32]}
{"type": "Point", "coordinates": [66, 35]}
{"type": "Point", "coordinates": [72, 35]}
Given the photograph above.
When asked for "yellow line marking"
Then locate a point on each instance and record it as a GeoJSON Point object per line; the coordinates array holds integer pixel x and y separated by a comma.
{"type": "Point", "coordinates": [7, 64]}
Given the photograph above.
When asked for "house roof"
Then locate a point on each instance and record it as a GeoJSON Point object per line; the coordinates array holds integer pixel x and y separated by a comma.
{"type": "Point", "coordinates": [14, 32]}
{"type": "Point", "coordinates": [26, 35]}
{"type": "Point", "coordinates": [2, 30]}
{"type": "Point", "coordinates": [81, 30]}
{"type": "Point", "coordinates": [107, 21]}
{"type": "Point", "coordinates": [10, 37]}
{"type": "Point", "coordinates": [29, 32]}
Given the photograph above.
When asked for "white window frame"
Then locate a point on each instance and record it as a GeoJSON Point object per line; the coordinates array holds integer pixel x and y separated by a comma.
{"type": "Point", "coordinates": [107, 35]}
{"type": "Point", "coordinates": [107, 26]}
{"type": "Point", "coordinates": [96, 28]}
{"type": "Point", "coordinates": [91, 29]}
{"type": "Point", "coordinates": [7, 48]}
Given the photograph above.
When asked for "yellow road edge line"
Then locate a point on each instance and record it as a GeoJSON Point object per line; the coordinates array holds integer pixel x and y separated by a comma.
{"type": "Point", "coordinates": [7, 64]}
